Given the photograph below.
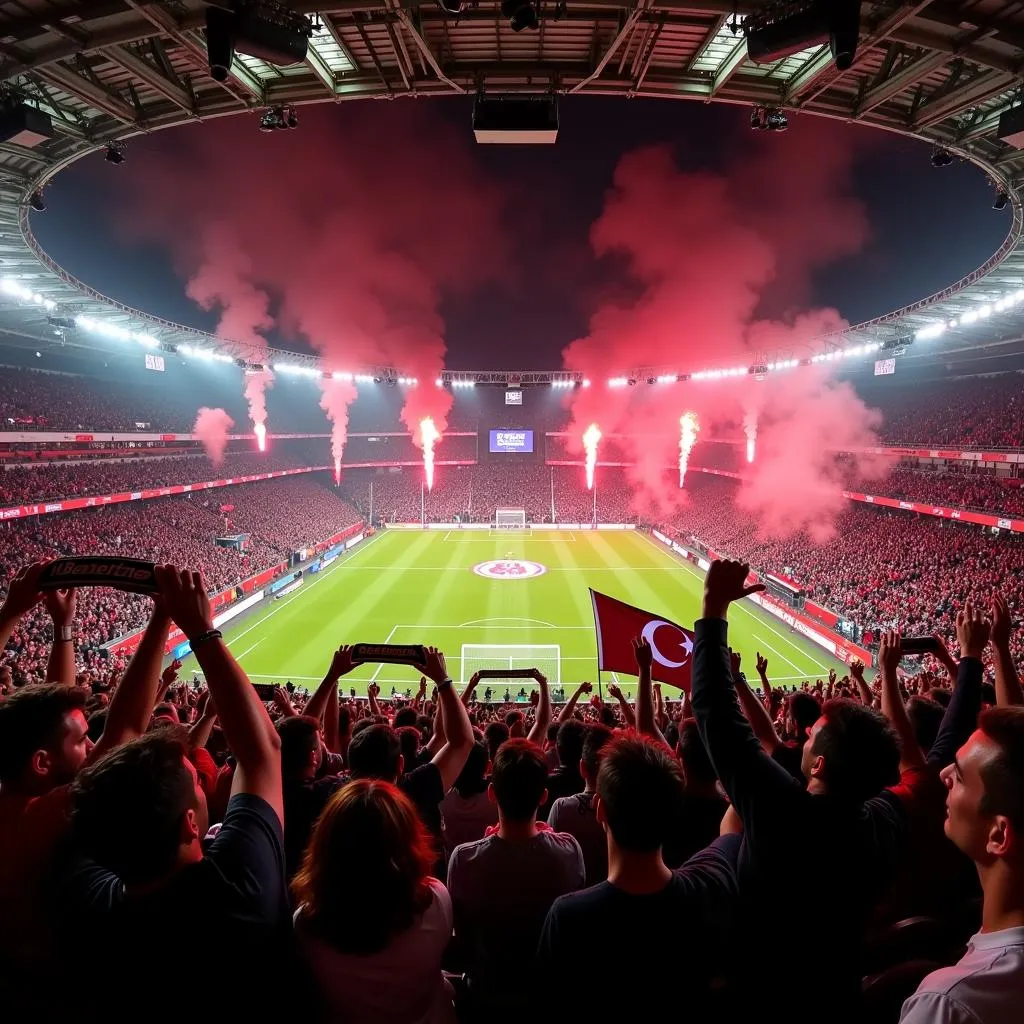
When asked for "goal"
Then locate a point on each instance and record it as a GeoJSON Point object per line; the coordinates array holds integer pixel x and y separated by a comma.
{"type": "Point", "coordinates": [510, 518]}
{"type": "Point", "coordinates": [546, 657]}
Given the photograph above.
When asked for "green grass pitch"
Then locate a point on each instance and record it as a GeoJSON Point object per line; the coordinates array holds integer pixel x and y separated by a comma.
{"type": "Point", "coordinates": [419, 587]}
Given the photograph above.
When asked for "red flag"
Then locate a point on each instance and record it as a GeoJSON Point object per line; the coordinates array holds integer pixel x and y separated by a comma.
{"type": "Point", "coordinates": [618, 624]}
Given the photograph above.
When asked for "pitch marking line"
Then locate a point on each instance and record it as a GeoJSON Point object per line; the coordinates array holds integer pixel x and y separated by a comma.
{"type": "Point", "coordinates": [739, 604]}
{"type": "Point", "coordinates": [469, 625]}
{"type": "Point", "coordinates": [249, 650]}
{"type": "Point", "coordinates": [505, 618]}
{"type": "Point", "coordinates": [380, 667]}
{"type": "Point", "coordinates": [281, 605]}
{"type": "Point", "coordinates": [761, 640]}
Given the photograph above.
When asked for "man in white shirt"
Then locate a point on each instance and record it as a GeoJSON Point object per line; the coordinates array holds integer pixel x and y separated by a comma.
{"type": "Point", "coordinates": [503, 885]}
{"type": "Point", "coordinates": [985, 818]}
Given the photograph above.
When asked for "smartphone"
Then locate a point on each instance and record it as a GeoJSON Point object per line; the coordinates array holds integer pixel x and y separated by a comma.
{"type": "Point", "coordinates": [265, 691]}
{"type": "Point", "coordinates": [920, 645]}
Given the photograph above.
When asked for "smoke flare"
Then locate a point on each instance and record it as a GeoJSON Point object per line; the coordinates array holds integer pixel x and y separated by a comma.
{"type": "Point", "coordinates": [688, 430]}
{"type": "Point", "coordinates": [256, 384]}
{"type": "Point", "coordinates": [337, 471]}
{"type": "Point", "coordinates": [591, 439]}
{"type": "Point", "coordinates": [336, 395]}
{"type": "Point", "coordinates": [260, 430]}
{"type": "Point", "coordinates": [750, 429]}
{"type": "Point", "coordinates": [429, 436]}
{"type": "Point", "coordinates": [211, 427]}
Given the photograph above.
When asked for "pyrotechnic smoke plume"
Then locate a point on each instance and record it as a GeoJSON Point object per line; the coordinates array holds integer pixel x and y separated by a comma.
{"type": "Point", "coordinates": [750, 429]}
{"type": "Point", "coordinates": [356, 254]}
{"type": "Point", "coordinates": [212, 427]}
{"type": "Point", "coordinates": [714, 273]}
{"type": "Point", "coordinates": [336, 396]}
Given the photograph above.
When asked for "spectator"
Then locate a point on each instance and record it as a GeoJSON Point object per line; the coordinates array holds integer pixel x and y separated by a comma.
{"type": "Point", "coordinates": [682, 915]}
{"type": "Point", "coordinates": [503, 885]}
{"type": "Point", "coordinates": [576, 815]}
{"type": "Point", "coordinates": [985, 818]}
{"type": "Point", "coordinates": [371, 920]}
{"type": "Point", "coordinates": [467, 810]}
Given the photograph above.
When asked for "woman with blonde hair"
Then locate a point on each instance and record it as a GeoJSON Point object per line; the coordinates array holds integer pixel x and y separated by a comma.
{"type": "Point", "coordinates": [373, 922]}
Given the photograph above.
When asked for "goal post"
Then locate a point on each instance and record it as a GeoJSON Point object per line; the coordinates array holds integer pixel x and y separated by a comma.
{"type": "Point", "coordinates": [510, 518]}
{"type": "Point", "coordinates": [545, 657]}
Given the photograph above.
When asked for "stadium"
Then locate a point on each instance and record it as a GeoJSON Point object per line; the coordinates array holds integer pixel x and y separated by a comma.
{"type": "Point", "coordinates": [555, 508]}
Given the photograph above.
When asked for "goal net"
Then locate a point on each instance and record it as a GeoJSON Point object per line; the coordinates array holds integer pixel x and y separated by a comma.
{"type": "Point", "coordinates": [546, 657]}
{"type": "Point", "coordinates": [510, 518]}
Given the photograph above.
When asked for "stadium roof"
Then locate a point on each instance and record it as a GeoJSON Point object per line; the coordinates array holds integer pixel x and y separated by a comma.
{"type": "Point", "coordinates": [108, 69]}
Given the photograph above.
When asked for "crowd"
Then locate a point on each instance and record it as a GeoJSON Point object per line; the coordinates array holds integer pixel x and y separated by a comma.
{"type": "Point", "coordinates": [953, 489]}
{"type": "Point", "coordinates": [880, 568]}
{"type": "Point", "coordinates": [444, 858]}
{"type": "Point", "coordinates": [52, 481]}
{"type": "Point", "coordinates": [270, 520]}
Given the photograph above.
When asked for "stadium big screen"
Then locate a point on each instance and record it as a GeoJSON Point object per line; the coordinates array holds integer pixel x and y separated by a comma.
{"type": "Point", "coordinates": [517, 441]}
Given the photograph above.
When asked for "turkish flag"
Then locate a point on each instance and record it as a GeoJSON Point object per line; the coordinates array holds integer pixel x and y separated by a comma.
{"type": "Point", "coordinates": [618, 624]}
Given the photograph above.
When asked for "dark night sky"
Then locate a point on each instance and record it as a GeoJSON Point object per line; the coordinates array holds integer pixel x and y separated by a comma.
{"type": "Point", "coordinates": [929, 226]}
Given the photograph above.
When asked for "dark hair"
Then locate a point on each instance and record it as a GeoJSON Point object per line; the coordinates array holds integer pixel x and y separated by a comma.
{"type": "Point", "coordinates": [1004, 777]}
{"type": "Point", "coordinates": [697, 766]}
{"type": "Point", "coordinates": [940, 696]}
{"type": "Point", "coordinates": [127, 807]}
{"type": "Point", "coordinates": [925, 716]}
{"type": "Point", "coordinates": [495, 734]}
{"type": "Point", "coordinates": [32, 719]}
{"type": "Point", "coordinates": [861, 750]}
{"type": "Point", "coordinates": [552, 733]}
{"type": "Point", "coordinates": [404, 716]}
{"type": "Point", "coordinates": [409, 743]}
{"type": "Point", "coordinates": [472, 779]}
{"type": "Point", "coordinates": [593, 743]}
{"type": "Point", "coordinates": [805, 710]}
{"type": "Point", "coordinates": [300, 736]}
{"type": "Point", "coordinates": [374, 753]}
{"type": "Point", "coordinates": [519, 775]}
{"type": "Point", "coordinates": [570, 743]}
{"type": "Point", "coordinates": [641, 787]}
{"type": "Point", "coordinates": [513, 717]}
{"type": "Point", "coordinates": [988, 693]}
{"type": "Point", "coordinates": [607, 715]}
{"type": "Point", "coordinates": [368, 832]}
{"type": "Point", "coordinates": [97, 723]}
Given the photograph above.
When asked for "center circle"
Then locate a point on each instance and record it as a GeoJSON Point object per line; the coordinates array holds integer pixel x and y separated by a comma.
{"type": "Point", "coordinates": [509, 569]}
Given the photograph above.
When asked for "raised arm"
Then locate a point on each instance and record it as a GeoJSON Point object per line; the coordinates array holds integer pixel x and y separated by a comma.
{"type": "Point", "coordinates": [538, 734]}
{"type": "Point", "coordinates": [766, 686]}
{"type": "Point", "coordinates": [757, 714]}
{"type": "Point", "coordinates": [753, 782]}
{"type": "Point", "coordinates": [61, 665]}
{"type": "Point", "coordinates": [857, 674]}
{"type": "Point", "coordinates": [131, 706]}
{"type": "Point", "coordinates": [467, 693]}
{"type": "Point", "coordinates": [22, 595]}
{"type": "Point", "coordinates": [246, 724]}
{"type": "Point", "coordinates": [1008, 689]}
{"type": "Point", "coordinates": [458, 731]}
{"type": "Point", "coordinates": [570, 705]}
{"type": "Point", "coordinates": [206, 715]}
{"type": "Point", "coordinates": [889, 654]}
{"type": "Point", "coordinates": [645, 723]}
{"type": "Point", "coordinates": [961, 716]}
{"type": "Point", "coordinates": [614, 690]}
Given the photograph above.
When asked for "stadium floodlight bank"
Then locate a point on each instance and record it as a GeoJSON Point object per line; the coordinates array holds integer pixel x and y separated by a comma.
{"type": "Point", "coordinates": [547, 658]}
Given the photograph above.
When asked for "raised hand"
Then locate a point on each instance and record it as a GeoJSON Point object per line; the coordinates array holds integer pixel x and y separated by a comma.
{"type": "Point", "coordinates": [615, 691]}
{"type": "Point", "coordinates": [643, 653]}
{"type": "Point", "coordinates": [61, 606]}
{"type": "Point", "coordinates": [726, 582]}
{"type": "Point", "coordinates": [586, 687]}
{"type": "Point", "coordinates": [857, 669]}
{"type": "Point", "coordinates": [762, 665]}
{"type": "Point", "coordinates": [23, 592]}
{"type": "Point", "coordinates": [972, 631]}
{"type": "Point", "coordinates": [341, 662]}
{"type": "Point", "coordinates": [890, 651]}
{"type": "Point", "coordinates": [184, 597]}
{"type": "Point", "coordinates": [735, 659]}
{"type": "Point", "coordinates": [1002, 623]}
{"type": "Point", "coordinates": [435, 667]}
{"type": "Point", "coordinates": [170, 674]}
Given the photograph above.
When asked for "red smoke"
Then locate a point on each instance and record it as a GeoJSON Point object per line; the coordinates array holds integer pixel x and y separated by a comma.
{"type": "Point", "coordinates": [212, 427]}
{"type": "Point", "coordinates": [706, 255]}
{"type": "Point", "coordinates": [348, 232]}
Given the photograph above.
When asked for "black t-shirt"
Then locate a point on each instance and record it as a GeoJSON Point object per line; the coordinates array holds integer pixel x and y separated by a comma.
{"type": "Point", "coordinates": [698, 825]}
{"type": "Point", "coordinates": [562, 781]}
{"type": "Point", "coordinates": [209, 928]}
{"type": "Point", "coordinates": [303, 804]}
{"type": "Point", "coordinates": [679, 933]}
{"type": "Point", "coordinates": [423, 786]}
{"type": "Point", "coordinates": [789, 755]}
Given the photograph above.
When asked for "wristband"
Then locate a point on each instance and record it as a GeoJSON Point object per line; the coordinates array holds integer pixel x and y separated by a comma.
{"type": "Point", "coordinates": [67, 634]}
{"type": "Point", "coordinates": [444, 682]}
{"type": "Point", "coordinates": [210, 634]}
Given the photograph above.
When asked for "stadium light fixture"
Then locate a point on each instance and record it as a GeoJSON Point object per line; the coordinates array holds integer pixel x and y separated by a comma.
{"type": "Point", "coordinates": [586, 383]}
{"type": "Point", "coordinates": [1001, 199]}
{"type": "Point", "coordinates": [9, 286]}
{"type": "Point", "coordinates": [338, 375]}
{"type": "Point", "coordinates": [114, 153]}
{"type": "Point", "coordinates": [617, 382]}
{"type": "Point", "coordinates": [985, 311]}
{"type": "Point", "coordinates": [439, 382]}
{"type": "Point", "coordinates": [930, 332]}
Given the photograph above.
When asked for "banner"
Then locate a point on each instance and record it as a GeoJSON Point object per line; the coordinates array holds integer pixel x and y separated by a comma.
{"type": "Point", "coordinates": [617, 625]}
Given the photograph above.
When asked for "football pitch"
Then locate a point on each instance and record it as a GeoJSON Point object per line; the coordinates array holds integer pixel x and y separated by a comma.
{"type": "Point", "coordinates": [489, 599]}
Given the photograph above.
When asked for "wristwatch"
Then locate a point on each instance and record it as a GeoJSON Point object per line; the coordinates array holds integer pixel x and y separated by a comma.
{"type": "Point", "coordinates": [67, 634]}
{"type": "Point", "coordinates": [444, 682]}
